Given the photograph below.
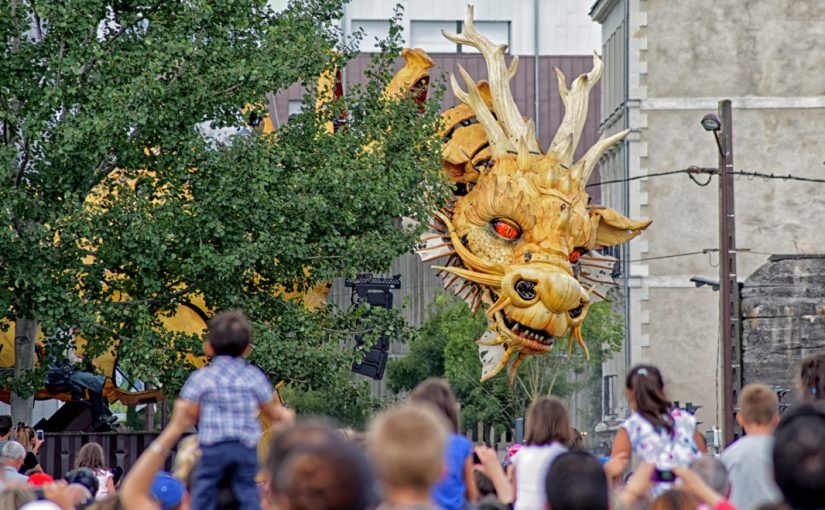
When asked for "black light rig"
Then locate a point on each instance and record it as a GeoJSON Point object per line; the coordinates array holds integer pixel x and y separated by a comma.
{"type": "Point", "coordinates": [375, 292]}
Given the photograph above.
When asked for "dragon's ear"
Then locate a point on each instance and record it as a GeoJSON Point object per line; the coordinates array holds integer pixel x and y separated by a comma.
{"type": "Point", "coordinates": [612, 228]}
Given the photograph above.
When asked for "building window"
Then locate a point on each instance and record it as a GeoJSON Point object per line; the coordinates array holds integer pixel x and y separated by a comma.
{"type": "Point", "coordinates": [496, 31]}
{"type": "Point", "coordinates": [373, 30]}
{"type": "Point", "coordinates": [426, 34]}
{"type": "Point", "coordinates": [609, 396]}
{"type": "Point", "coordinates": [295, 107]}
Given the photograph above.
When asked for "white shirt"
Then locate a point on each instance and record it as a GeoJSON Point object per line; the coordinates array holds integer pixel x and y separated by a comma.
{"type": "Point", "coordinates": [103, 476]}
{"type": "Point", "coordinates": [750, 469]}
{"type": "Point", "coordinates": [532, 463]}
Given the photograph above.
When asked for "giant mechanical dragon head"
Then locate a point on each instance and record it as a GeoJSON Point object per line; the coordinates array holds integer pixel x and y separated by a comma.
{"type": "Point", "coordinates": [520, 235]}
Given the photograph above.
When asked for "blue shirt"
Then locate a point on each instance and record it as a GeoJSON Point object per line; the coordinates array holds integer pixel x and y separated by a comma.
{"type": "Point", "coordinates": [450, 492]}
{"type": "Point", "coordinates": [229, 391]}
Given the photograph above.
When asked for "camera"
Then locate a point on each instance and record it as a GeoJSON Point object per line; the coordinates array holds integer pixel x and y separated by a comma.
{"type": "Point", "coordinates": [664, 476]}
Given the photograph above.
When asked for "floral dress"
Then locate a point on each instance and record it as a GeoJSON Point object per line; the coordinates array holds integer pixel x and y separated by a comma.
{"type": "Point", "coordinates": [655, 445]}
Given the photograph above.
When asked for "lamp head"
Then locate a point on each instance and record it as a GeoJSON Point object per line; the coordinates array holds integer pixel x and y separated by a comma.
{"type": "Point", "coordinates": [711, 122]}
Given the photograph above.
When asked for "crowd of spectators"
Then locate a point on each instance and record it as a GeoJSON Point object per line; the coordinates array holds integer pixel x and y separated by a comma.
{"type": "Point", "coordinates": [412, 456]}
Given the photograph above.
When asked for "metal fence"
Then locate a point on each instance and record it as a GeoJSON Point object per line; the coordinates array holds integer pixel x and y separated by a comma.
{"type": "Point", "coordinates": [57, 455]}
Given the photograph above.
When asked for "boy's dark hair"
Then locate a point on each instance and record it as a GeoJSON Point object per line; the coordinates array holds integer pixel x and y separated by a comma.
{"type": "Point", "coordinates": [648, 387]}
{"type": "Point", "coordinates": [5, 425]}
{"type": "Point", "coordinates": [547, 421]}
{"type": "Point", "coordinates": [437, 393]}
{"type": "Point", "coordinates": [333, 476]}
{"type": "Point", "coordinates": [293, 438]}
{"type": "Point", "coordinates": [799, 457]}
{"type": "Point", "coordinates": [230, 333]}
{"type": "Point", "coordinates": [484, 484]}
{"type": "Point", "coordinates": [576, 481]}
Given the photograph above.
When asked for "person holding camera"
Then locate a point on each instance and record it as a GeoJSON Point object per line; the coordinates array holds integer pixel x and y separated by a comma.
{"type": "Point", "coordinates": [656, 432]}
{"type": "Point", "coordinates": [31, 441]}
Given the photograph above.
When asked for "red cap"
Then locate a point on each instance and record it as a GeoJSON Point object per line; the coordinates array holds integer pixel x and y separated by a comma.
{"type": "Point", "coordinates": [38, 479]}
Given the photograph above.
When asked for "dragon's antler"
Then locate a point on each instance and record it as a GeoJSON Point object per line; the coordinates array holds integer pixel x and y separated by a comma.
{"type": "Point", "coordinates": [510, 122]}
{"type": "Point", "coordinates": [576, 100]}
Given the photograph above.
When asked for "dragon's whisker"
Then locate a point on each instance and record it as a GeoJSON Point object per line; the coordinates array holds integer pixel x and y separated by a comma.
{"type": "Point", "coordinates": [498, 306]}
{"type": "Point", "coordinates": [441, 255]}
{"type": "Point", "coordinates": [491, 280]}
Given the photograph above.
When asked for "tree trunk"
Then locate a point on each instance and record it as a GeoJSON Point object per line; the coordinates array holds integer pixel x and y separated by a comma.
{"type": "Point", "coordinates": [24, 335]}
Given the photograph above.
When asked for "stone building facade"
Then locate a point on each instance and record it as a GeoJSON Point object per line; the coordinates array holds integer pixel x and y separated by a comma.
{"type": "Point", "coordinates": [668, 65]}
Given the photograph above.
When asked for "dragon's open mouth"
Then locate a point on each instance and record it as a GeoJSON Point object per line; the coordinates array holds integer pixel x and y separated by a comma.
{"type": "Point", "coordinates": [532, 339]}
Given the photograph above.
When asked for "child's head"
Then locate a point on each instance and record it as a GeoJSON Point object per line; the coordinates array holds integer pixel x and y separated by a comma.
{"type": "Point", "coordinates": [646, 394]}
{"type": "Point", "coordinates": [758, 406]}
{"type": "Point", "coordinates": [812, 378]}
{"type": "Point", "coordinates": [229, 334]}
{"type": "Point", "coordinates": [547, 422]}
{"type": "Point", "coordinates": [90, 456]}
{"type": "Point", "coordinates": [437, 393]}
{"type": "Point", "coordinates": [332, 476]}
{"type": "Point", "coordinates": [406, 445]}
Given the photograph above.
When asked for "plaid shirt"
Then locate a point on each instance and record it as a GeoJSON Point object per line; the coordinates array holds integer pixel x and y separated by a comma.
{"type": "Point", "coordinates": [229, 392]}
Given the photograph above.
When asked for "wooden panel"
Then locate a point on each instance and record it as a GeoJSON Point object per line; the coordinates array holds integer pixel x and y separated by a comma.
{"type": "Point", "coordinates": [522, 85]}
{"type": "Point", "coordinates": [58, 453]}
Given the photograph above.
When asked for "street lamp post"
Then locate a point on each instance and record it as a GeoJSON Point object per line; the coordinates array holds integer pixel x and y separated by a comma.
{"type": "Point", "coordinates": [730, 322]}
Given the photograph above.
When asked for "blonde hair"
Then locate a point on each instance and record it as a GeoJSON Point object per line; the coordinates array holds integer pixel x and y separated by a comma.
{"type": "Point", "coordinates": [90, 456]}
{"type": "Point", "coordinates": [13, 498]}
{"type": "Point", "coordinates": [406, 445]}
{"type": "Point", "coordinates": [188, 455]}
{"type": "Point", "coordinates": [758, 404]}
{"type": "Point", "coordinates": [24, 438]}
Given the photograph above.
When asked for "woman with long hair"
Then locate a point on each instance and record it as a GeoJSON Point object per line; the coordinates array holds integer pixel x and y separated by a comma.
{"type": "Point", "coordinates": [656, 432]}
{"type": "Point", "coordinates": [26, 436]}
{"type": "Point", "coordinates": [91, 456]}
{"type": "Point", "coordinates": [458, 485]}
{"type": "Point", "coordinates": [547, 433]}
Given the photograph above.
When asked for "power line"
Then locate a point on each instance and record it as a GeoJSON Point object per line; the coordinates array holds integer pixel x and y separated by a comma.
{"type": "Point", "coordinates": [690, 170]}
{"type": "Point", "coordinates": [694, 170]}
{"type": "Point", "coordinates": [788, 177]}
{"type": "Point", "coordinates": [741, 251]}
{"type": "Point", "coordinates": [675, 255]}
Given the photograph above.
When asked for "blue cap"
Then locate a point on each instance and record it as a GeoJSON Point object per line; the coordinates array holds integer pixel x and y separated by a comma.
{"type": "Point", "coordinates": [167, 490]}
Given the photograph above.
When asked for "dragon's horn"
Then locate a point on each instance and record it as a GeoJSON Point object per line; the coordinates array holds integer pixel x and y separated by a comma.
{"type": "Point", "coordinates": [576, 100]}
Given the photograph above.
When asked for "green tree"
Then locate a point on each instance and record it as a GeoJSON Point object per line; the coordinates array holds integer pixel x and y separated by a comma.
{"type": "Point", "coordinates": [90, 86]}
{"type": "Point", "coordinates": [446, 348]}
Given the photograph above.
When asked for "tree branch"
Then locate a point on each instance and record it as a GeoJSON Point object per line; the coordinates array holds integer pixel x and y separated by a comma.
{"type": "Point", "coordinates": [37, 26]}
{"type": "Point", "coordinates": [155, 300]}
{"type": "Point", "coordinates": [21, 169]}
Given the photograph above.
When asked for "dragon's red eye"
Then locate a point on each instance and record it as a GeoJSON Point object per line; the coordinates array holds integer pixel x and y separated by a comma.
{"type": "Point", "coordinates": [506, 229]}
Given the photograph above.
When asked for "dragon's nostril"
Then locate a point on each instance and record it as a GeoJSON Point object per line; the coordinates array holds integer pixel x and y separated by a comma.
{"type": "Point", "coordinates": [575, 312]}
{"type": "Point", "coordinates": [526, 290]}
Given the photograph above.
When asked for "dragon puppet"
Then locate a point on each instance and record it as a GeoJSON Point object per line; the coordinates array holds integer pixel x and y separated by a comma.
{"type": "Point", "coordinates": [520, 235]}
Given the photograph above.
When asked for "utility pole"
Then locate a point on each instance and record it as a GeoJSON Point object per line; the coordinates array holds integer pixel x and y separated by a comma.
{"type": "Point", "coordinates": [730, 317]}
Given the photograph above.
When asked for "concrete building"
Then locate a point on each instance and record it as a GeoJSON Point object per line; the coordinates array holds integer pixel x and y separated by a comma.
{"type": "Point", "coordinates": [668, 63]}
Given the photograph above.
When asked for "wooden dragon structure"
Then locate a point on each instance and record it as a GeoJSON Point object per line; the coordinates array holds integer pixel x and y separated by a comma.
{"type": "Point", "coordinates": [520, 235]}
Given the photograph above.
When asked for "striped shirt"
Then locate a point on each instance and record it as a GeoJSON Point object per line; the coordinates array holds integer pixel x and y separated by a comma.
{"type": "Point", "coordinates": [229, 391]}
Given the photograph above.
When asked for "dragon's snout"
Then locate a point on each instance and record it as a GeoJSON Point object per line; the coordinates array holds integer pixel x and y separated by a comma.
{"type": "Point", "coordinates": [546, 285]}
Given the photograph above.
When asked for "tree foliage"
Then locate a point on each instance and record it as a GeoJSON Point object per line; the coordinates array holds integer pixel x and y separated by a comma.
{"type": "Point", "coordinates": [446, 348]}
{"type": "Point", "coordinates": [115, 208]}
